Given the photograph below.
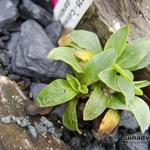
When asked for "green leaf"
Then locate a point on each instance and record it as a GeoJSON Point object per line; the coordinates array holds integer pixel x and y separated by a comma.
{"type": "Point", "coordinates": [109, 77]}
{"type": "Point", "coordinates": [75, 84]}
{"type": "Point", "coordinates": [138, 107]}
{"type": "Point", "coordinates": [95, 105]}
{"type": "Point", "coordinates": [86, 39]}
{"type": "Point", "coordinates": [97, 64]}
{"type": "Point", "coordinates": [129, 74]}
{"type": "Point", "coordinates": [144, 63]}
{"type": "Point", "coordinates": [134, 53]}
{"type": "Point", "coordinates": [127, 88]}
{"type": "Point", "coordinates": [126, 74]}
{"type": "Point", "coordinates": [138, 91]}
{"type": "Point", "coordinates": [57, 92]}
{"type": "Point", "coordinates": [141, 112]}
{"type": "Point", "coordinates": [83, 89]}
{"type": "Point", "coordinates": [66, 55]}
{"type": "Point", "coordinates": [117, 102]}
{"type": "Point", "coordinates": [118, 40]}
{"type": "Point", "coordinates": [69, 118]}
{"type": "Point", "coordinates": [141, 84]}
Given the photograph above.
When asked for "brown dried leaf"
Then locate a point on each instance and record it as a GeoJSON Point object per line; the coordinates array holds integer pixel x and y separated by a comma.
{"type": "Point", "coordinates": [32, 109]}
{"type": "Point", "coordinates": [84, 55]}
{"type": "Point", "coordinates": [109, 123]}
{"type": "Point", "coordinates": [65, 40]}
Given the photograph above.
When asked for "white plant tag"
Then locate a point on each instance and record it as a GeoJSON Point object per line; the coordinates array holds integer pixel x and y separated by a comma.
{"type": "Point", "coordinates": [70, 12]}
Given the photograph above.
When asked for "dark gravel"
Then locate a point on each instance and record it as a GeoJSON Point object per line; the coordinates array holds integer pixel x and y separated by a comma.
{"type": "Point", "coordinates": [34, 11]}
{"type": "Point", "coordinates": [8, 12]}
{"type": "Point", "coordinates": [128, 121]}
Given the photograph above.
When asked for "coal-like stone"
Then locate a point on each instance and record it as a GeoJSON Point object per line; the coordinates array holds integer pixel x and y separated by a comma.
{"type": "Point", "coordinates": [35, 46]}
{"type": "Point", "coordinates": [110, 139]}
{"type": "Point", "coordinates": [136, 141]}
{"type": "Point", "coordinates": [44, 4]}
{"type": "Point", "coordinates": [128, 121]}
{"type": "Point", "coordinates": [33, 11]}
{"type": "Point", "coordinates": [4, 59]}
{"type": "Point", "coordinates": [18, 64]}
{"type": "Point", "coordinates": [75, 142]}
{"type": "Point", "coordinates": [8, 12]}
{"type": "Point", "coordinates": [94, 147]}
{"type": "Point", "coordinates": [57, 112]}
{"type": "Point", "coordinates": [2, 44]}
{"type": "Point", "coordinates": [54, 31]}
{"type": "Point", "coordinates": [31, 54]}
{"type": "Point", "coordinates": [16, 77]}
{"type": "Point", "coordinates": [36, 88]}
{"type": "Point", "coordinates": [12, 43]}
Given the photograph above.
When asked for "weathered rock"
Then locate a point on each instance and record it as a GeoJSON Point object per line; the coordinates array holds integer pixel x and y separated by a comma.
{"type": "Point", "coordinates": [54, 31]}
{"type": "Point", "coordinates": [107, 14]}
{"type": "Point", "coordinates": [31, 54]}
{"type": "Point", "coordinates": [12, 43]}
{"type": "Point", "coordinates": [128, 121]}
{"type": "Point", "coordinates": [8, 12]}
{"type": "Point", "coordinates": [36, 88]}
{"type": "Point", "coordinates": [34, 11]}
{"type": "Point", "coordinates": [12, 101]}
{"type": "Point", "coordinates": [136, 141]}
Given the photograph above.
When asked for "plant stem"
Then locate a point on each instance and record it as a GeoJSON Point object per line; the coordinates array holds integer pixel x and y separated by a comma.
{"type": "Point", "coordinates": [122, 72]}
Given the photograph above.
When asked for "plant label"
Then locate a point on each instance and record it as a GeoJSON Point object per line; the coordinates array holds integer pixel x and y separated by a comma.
{"type": "Point", "coordinates": [70, 12]}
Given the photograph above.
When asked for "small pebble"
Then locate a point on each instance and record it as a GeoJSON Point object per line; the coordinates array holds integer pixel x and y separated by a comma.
{"type": "Point", "coordinates": [46, 122]}
{"type": "Point", "coordinates": [25, 122]}
{"type": "Point", "coordinates": [41, 129]}
{"type": "Point", "coordinates": [6, 119]}
{"type": "Point", "coordinates": [51, 130]}
{"type": "Point", "coordinates": [32, 131]}
{"type": "Point", "coordinates": [18, 120]}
